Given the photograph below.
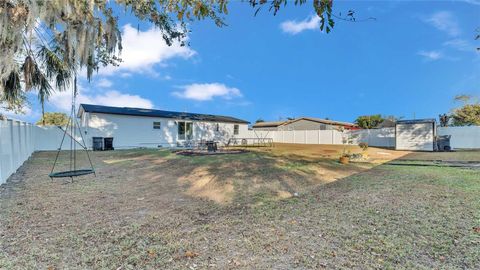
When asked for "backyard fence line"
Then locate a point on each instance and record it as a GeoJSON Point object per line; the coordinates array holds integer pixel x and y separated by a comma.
{"type": "Point", "coordinates": [18, 140]}
{"type": "Point", "coordinates": [381, 137]}
{"type": "Point", "coordinates": [16, 146]}
{"type": "Point", "coordinates": [467, 137]}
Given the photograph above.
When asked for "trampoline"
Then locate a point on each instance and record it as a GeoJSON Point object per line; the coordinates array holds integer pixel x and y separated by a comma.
{"type": "Point", "coordinates": [72, 130]}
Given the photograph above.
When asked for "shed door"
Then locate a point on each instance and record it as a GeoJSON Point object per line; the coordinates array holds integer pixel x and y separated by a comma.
{"type": "Point", "coordinates": [416, 137]}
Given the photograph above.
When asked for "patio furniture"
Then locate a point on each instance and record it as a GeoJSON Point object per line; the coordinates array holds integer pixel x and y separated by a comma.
{"type": "Point", "coordinates": [211, 146]}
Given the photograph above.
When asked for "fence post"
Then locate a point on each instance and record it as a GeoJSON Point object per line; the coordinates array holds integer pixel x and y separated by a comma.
{"type": "Point", "coordinates": [12, 148]}
{"type": "Point", "coordinates": [25, 152]}
{"type": "Point", "coordinates": [1, 153]}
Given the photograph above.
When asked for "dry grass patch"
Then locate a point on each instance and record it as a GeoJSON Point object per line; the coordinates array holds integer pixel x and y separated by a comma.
{"type": "Point", "coordinates": [155, 210]}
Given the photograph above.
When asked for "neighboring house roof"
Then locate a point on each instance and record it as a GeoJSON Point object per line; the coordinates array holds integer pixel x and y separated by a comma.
{"type": "Point", "coordinates": [158, 113]}
{"type": "Point", "coordinates": [268, 124]}
{"type": "Point", "coordinates": [318, 120]}
{"type": "Point", "coordinates": [322, 121]}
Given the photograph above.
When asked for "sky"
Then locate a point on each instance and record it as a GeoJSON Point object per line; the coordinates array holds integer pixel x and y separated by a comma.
{"type": "Point", "coordinates": [409, 62]}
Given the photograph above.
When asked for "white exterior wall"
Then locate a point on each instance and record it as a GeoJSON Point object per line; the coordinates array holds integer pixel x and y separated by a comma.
{"type": "Point", "coordinates": [416, 137]}
{"type": "Point", "coordinates": [137, 131]}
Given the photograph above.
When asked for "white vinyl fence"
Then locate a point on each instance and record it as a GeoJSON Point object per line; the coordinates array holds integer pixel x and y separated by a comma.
{"type": "Point", "coordinates": [18, 140]}
{"type": "Point", "coordinates": [16, 146]}
{"type": "Point", "coordinates": [383, 137]}
{"type": "Point", "coordinates": [462, 137]}
{"type": "Point", "coordinates": [379, 137]}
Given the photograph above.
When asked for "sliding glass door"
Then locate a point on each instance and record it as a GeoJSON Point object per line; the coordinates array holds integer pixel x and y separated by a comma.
{"type": "Point", "coordinates": [185, 131]}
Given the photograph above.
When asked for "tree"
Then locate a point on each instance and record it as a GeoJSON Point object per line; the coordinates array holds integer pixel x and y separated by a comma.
{"type": "Point", "coordinates": [259, 120]}
{"type": "Point", "coordinates": [53, 119]}
{"type": "Point", "coordinates": [369, 121]}
{"type": "Point", "coordinates": [467, 115]}
{"type": "Point", "coordinates": [444, 119]}
{"type": "Point", "coordinates": [469, 112]}
{"type": "Point", "coordinates": [44, 43]}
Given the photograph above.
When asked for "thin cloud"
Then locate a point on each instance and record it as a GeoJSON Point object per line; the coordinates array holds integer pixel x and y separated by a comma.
{"type": "Point", "coordinates": [460, 45]}
{"type": "Point", "coordinates": [207, 91]}
{"type": "Point", "coordinates": [104, 83]}
{"type": "Point", "coordinates": [294, 27]}
{"type": "Point", "coordinates": [444, 21]}
{"type": "Point", "coordinates": [473, 2]}
{"type": "Point", "coordinates": [62, 100]}
{"type": "Point", "coordinates": [430, 55]}
{"type": "Point", "coordinates": [26, 114]}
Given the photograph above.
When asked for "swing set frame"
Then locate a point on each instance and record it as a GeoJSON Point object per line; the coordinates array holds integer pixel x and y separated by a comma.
{"type": "Point", "coordinates": [71, 130]}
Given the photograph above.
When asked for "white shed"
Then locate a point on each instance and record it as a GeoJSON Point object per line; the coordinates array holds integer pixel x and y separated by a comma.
{"type": "Point", "coordinates": [415, 135]}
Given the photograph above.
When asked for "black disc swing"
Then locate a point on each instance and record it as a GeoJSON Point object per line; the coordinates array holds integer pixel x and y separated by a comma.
{"type": "Point", "coordinates": [71, 130]}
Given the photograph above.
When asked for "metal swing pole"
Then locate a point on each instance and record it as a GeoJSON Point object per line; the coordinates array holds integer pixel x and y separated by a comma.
{"type": "Point", "coordinates": [74, 96]}
{"type": "Point", "coordinates": [85, 148]}
{"type": "Point", "coordinates": [60, 148]}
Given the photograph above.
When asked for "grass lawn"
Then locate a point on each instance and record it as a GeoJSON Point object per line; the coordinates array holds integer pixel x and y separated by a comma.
{"type": "Point", "coordinates": [152, 209]}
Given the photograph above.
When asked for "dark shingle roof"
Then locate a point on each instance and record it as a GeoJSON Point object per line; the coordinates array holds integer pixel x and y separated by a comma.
{"type": "Point", "coordinates": [160, 113]}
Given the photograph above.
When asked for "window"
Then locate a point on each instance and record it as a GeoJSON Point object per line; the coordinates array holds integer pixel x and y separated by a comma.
{"type": "Point", "coordinates": [156, 125]}
{"type": "Point", "coordinates": [185, 130]}
{"type": "Point", "coordinates": [323, 127]}
{"type": "Point", "coordinates": [235, 130]}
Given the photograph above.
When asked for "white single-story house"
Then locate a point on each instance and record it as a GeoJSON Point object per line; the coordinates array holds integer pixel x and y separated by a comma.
{"type": "Point", "coordinates": [136, 127]}
{"type": "Point", "coordinates": [303, 123]}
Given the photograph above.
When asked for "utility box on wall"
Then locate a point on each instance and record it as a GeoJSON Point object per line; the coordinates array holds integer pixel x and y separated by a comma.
{"type": "Point", "coordinates": [415, 135]}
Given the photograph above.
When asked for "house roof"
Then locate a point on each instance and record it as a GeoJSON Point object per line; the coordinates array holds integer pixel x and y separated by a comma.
{"type": "Point", "coordinates": [158, 113]}
{"type": "Point", "coordinates": [318, 120]}
{"type": "Point", "coordinates": [268, 124]}
{"type": "Point", "coordinates": [416, 121]}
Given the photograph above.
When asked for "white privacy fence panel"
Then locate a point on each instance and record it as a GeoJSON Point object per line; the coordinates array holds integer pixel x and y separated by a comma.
{"type": "Point", "coordinates": [462, 137]}
{"type": "Point", "coordinates": [16, 146]}
{"type": "Point", "coordinates": [384, 137]}
{"type": "Point", "coordinates": [312, 137]}
{"type": "Point", "coordinates": [301, 136]}
{"type": "Point", "coordinates": [49, 138]}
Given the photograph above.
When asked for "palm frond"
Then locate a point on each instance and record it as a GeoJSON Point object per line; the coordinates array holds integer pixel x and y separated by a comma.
{"type": "Point", "coordinates": [11, 88]}
{"type": "Point", "coordinates": [56, 68]}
